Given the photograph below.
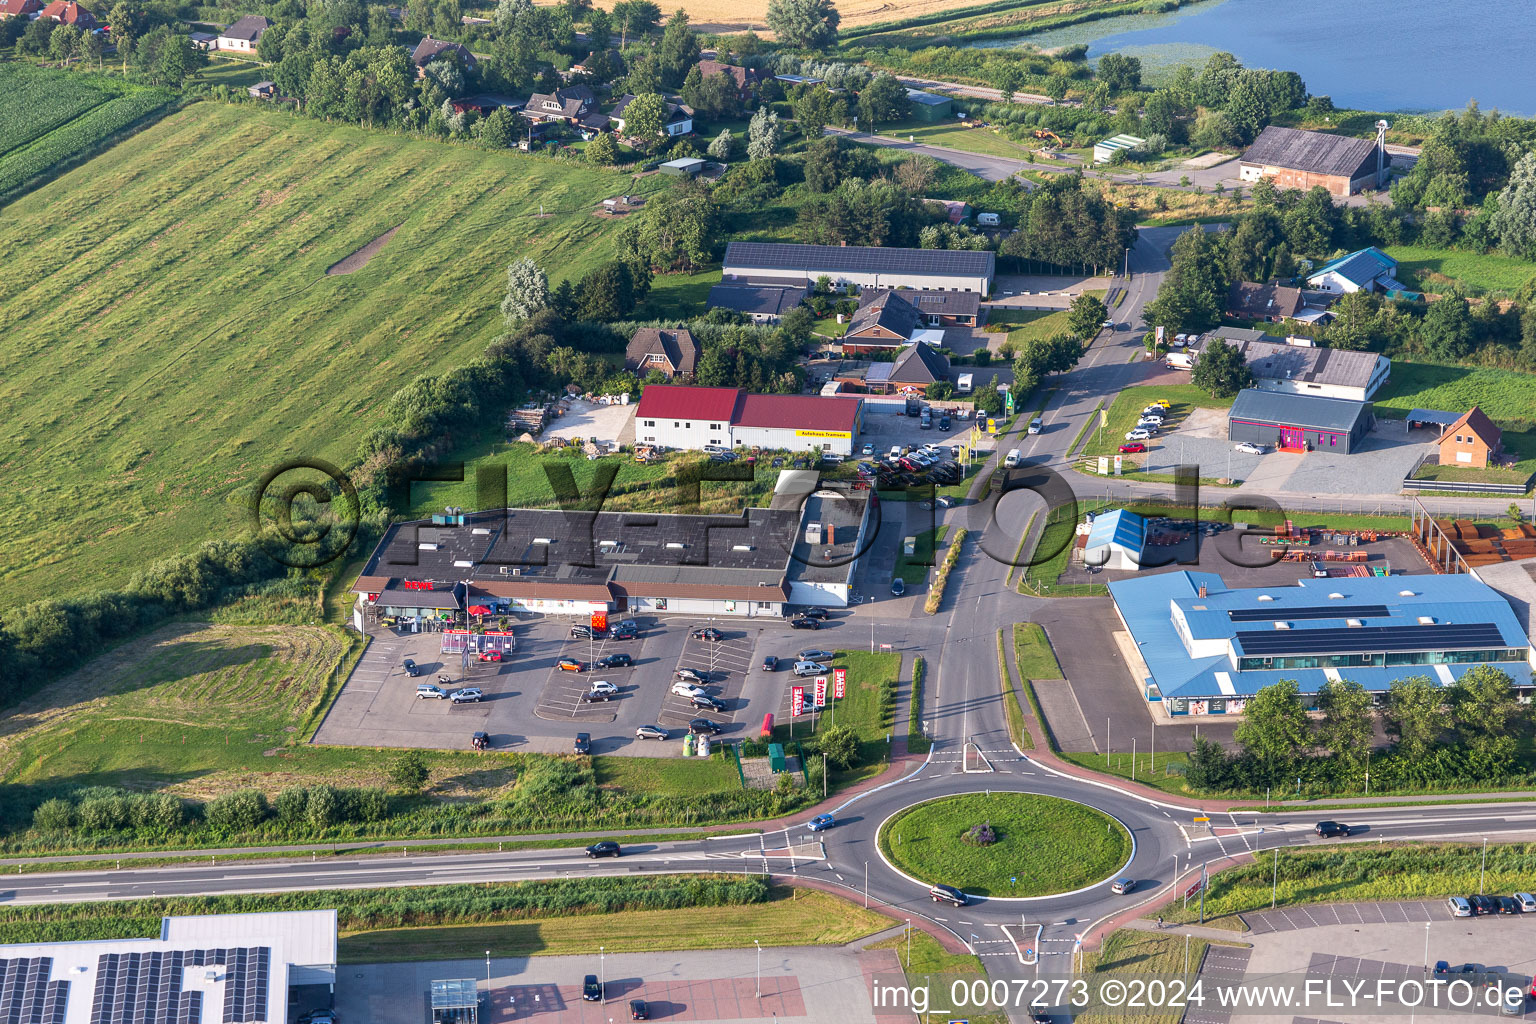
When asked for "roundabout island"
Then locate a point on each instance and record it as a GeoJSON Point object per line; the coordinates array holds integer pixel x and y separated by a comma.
{"type": "Point", "coordinates": [1005, 845]}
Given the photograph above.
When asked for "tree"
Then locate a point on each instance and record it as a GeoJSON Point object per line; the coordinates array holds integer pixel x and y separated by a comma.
{"type": "Point", "coordinates": [1346, 726]}
{"type": "Point", "coordinates": [1354, 320]}
{"type": "Point", "coordinates": [1485, 709]}
{"type": "Point", "coordinates": [527, 291]}
{"type": "Point", "coordinates": [634, 16]}
{"type": "Point", "coordinates": [804, 24]}
{"type": "Point", "coordinates": [1008, 79]}
{"type": "Point", "coordinates": [607, 293]}
{"type": "Point", "coordinates": [883, 100]}
{"type": "Point", "coordinates": [1414, 716]}
{"type": "Point", "coordinates": [644, 119]}
{"type": "Point", "coordinates": [816, 108]}
{"type": "Point", "coordinates": [1088, 312]}
{"type": "Point", "coordinates": [409, 771]}
{"type": "Point", "coordinates": [64, 41]}
{"type": "Point", "coordinates": [1162, 114]}
{"type": "Point", "coordinates": [986, 398]}
{"type": "Point", "coordinates": [1250, 255]}
{"type": "Point", "coordinates": [841, 745]}
{"type": "Point", "coordinates": [1194, 291]}
{"type": "Point", "coordinates": [763, 134]}
{"type": "Point", "coordinates": [1514, 223]}
{"type": "Point", "coordinates": [723, 146]}
{"type": "Point", "coordinates": [915, 174]}
{"type": "Point", "coordinates": [679, 48]}
{"type": "Point", "coordinates": [179, 60]}
{"type": "Point", "coordinates": [35, 39]}
{"type": "Point", "coordinates": [602, 150]}
{"type": "Point", "coordinates": [1446, 329]}
{"type": "Point", "coordinates": [677, 230]}
{"type": "Point", "coordinates": [1275, 729]}
{"type": "Point", "coordinates": [1119, 72]}
{"type": "Point", "coordinates": [128, 23]}
{"type": "Point", "coordinates": [1221, 371]}
{"type": "Point", "coordinates": [500, 130]}
{"type": "Point", "coordinates": [940, 390]}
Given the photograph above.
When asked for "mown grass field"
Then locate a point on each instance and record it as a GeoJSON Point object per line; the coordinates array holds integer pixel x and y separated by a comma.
{"type": "Point", "coordinates": [172, 334]}
{"type": "Point", "coordinates": [921, 955]}
{"type": "Point", "coordinates": [1127, 951]}
{"type": "Point", "coordinates": [1044, 845]}
{"type": "Point", "coordinates": [1508, 397]}
{"type": "Point", "coordinates": [1424, 269]}
{"type": "Point", "coordinates": [1127, 407]}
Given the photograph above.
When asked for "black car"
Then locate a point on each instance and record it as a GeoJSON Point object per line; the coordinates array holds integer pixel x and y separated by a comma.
{"type": "Point", "coordinates": [770, 663]}
{"type": "Point", "coordinates": [898, 586]}
{"type": "Point", "coordinates": [326, 1016]}
{"type": "Point", "coordinates": [948, 894]}
{"type": "Point", "coordinates": [803, 623]}
{"type": "Point", "coordinates": [637, 1010]}
{"type": "Point", "coordinates": [1507, 904]}
{"type": "Point", "coordinates": [583, 743]}
{"type": "Point", "coordinates": [596, 697]}
{"type": "Point", "coordinates": [591, 989]}
{"type": "Point", "coordinates": [580, 632]}
{"type": "Point", "coordinates": [1483, 905]}
{"type": "Point", "coordinates": [1327, 829]}
{"type": "Point", "coordinates": [699, 726]}
{"type": "Point", "coordinates": [410, 667]}
{"type": "Point", "coordinates": [622, 634]}
{"type": "Point", "coordinates": [709, 633]}
{"type": "Point", "coordinates": [606, 848]}
{"type": "Point", "coordinates": [615, 661]}
{"type": "Point", "coordinates": [815, 613]}
{"type": "Point", "coordinates": [704, 702]}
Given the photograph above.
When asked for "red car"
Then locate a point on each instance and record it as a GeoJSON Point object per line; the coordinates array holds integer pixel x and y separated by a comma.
{"type": "Point", "coordinates": [571, 665]}
{"type": "Point", "coordinates": [1133, 448]}
{"type": "Point", "coordinates": [490, 656]}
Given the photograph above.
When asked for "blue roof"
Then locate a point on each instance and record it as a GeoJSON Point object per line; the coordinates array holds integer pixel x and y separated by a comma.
{"type": "Point", "coordinates": [1149, 603]}
{"type": "Point", "coordinates": [1360, 267]}
{"type": "Point", "coordinates": [1118, 526]}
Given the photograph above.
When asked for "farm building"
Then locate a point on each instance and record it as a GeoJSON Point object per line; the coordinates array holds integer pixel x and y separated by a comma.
{"type": "Point", "coordinates": [867, 267]}
{"type": "Point", "coordinates": [683, 167]}
{"type": "Point", "coordinates": [763, 304]}
{"type": "Point", "coordinates": [1298, 422]}
{"type": "Point", "coordinates": [1297, 159]}
{"type": "Point", "coordinates": [930, 106]}
{"type": "Point", "coordinates": [1104, 152]}
{"type": "Point", "coordinates": [1368, 269]}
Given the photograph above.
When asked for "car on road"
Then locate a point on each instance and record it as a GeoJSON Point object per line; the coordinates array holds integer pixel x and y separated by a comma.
{"type": "Point", "coordinates": [770, 663]}
{"type": "Point", "coordinates": [1121, 886]}
{"type": "Point", "coordinates": [948, 894]}
{"type": "Point", "coordinates": [1139, 434]}
{"type": "Point", "coordinates": [821, 822]}
{"type": "Point", "coordinates": [1527, 902]}
{"type": "Point", "coordinates": [591, 989]}
{"type": "Point", "coordinates": [1133, 448]}
{"type": "Point", "coordinates": [683, 688]}
{"type": "Point", "coordinates": [704, 702]}
{"type": "Point", "coordinates": [945, 501]}
{"type": "Point", "coordinates": [868, 449]}
{"type": "Point", "coordinates": [709, 633]}
{"type": "Point", "coordinates": [809, 668]}
{"type": "Point", "coordinates": [804, 623]}
{"type": "Point", "coordinates": [1459, 906]}
{"type": "Point", "coordinates": [468, 695]}
{"type": "Point", "coordinates": [410, 667]}
{"type": "Point", "coordinates": [1507, 904]}
{"type": "Point", "coordinates": [691, 675]}
{"type": "Point", "coordinates": [606, 848]}
{"type": "Point", "coordinates": [583, 744]}
{"type": "Point", "coordinates": [944, 423]}
{"type": "Point", "coordinates": [815, 613]}
{"type": "Point", "coordinates": [1013, 458]}
{"type": "Point", "coordinates": [700, 726]}
{"type": "Point", "coordinates": [571, 665]}
{"type": "Point", "coordinates": [650, 732]}
{"type": "Point", "coordinates": [596, 697]}
{"type": "Point", "coordinates": [1482, 905]}
{"type": "Point", "coordinates": [1328, 829]}
{"type": "Point", "coordinates": [615, 661]}
{"type": "Point", "coordinates": [1036, 425]}
{"type": "Point", "coordinates": [898, 586]}
{"type": "Point", "coordinates": [813, 654]}
{"type": "Point", "coordinates": [1249, 448]}
{"type": "Point", "coordinates": [581, 632]}
{"type": "Point", "coordinates": [430, 691]}
{"type": "Point", "coordinates": [602, 686]}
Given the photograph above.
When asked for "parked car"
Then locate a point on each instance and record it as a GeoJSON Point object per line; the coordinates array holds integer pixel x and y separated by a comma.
{"type": "Point", "coordinates": [480, 740]}
{"type": "Point", "coordinates": [591, 989]}
{"type": "Point", "coordinates": [868, 449]}
{"type": "Point", "coordinates": [1459, 906]}
{"type": "Point", "coordinates": [948, 894]}
{"type": "Point", "coordinates": [1507, 904]}
{"type": "Point", "coordinates": [583, 632]}
{"type": "Point", "coordinates": [804, 623]}
{"type": "Point", "coordinates": [583, 744]}
{"type": "Point", "coordinates": [626, 624]}
{"type": "Point", "coordinates": [1133, 448]}
{"type": "Point", "coordinates": [615, 661]}
{"type": "Point", "coordinates": [945, 501]}
{"type": "Point", "coordinates": [815, 654]}
{"type": "Point", "coordinates": [810, 668]}
{"type": "Point", "coordinates": [596, 697]}
{"type": "Point", "coordinates": [1149, 423]}
{"type": "Point", "coordinates": [1482, 905]}
{"type": "Point", "coordinates": [1121, 886]}
{"type": "Point", "coordinates": [622, 633]}
{"type": "Point", "coordinates": [1155, 410]}
{"type": "Point", "coordinates": [944, 423]}
{"type": "Point", "coordinates": [898, 586]}
{"type": "Point", "coordinates": [699, 726]}
{"type": "Point", "coordinates": [704, 702]}
{"type": "Point", "coordinates": [650, 732]}
{"type": "Point", "coordinates": [1527, 902]}
{"type": "Point", "coordinates": [821, 822]}
{"type": "Point", "coordinates": [602, 686]}
{"type": "Point", "coordinates": [1328, 829]}
{"type": "Point", "coordinates": [430, 691]}
{"type": "Point", "coordinates": [1164, 403]}
{"type": "Point", "coordinates": [770, 663]}
{"type": "Point", "coordinates": [709, 633]}
{"type": "Point", "coordinates": [638, 1010]}
{"type": "Point", "coordinates": [489, 656]}
{"type": "Point", "coordinates": [1249, 448]}
{"type": "Point", "coordinates": [815, 613]}
{"type": "Point", "coordinates": [606, 848]}
{"type": "Point", "coordinates": [571, 665]}
{"type": "Point", "coordinates": [319, 1017]}
{"type": "Point", "coordinates": [468, 695]}
{"type": "Point", "coordinates": [687, 690]}
{"type": "Point", "coordinates": [410, 667]}
{"type": "Point", "coordinates": [691, 675]}
{"type": "Point", "coordinates": [1139, 434]}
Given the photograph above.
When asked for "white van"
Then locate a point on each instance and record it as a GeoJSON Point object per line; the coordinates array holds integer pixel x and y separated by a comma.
{"type": "Point", "coordinates": [1036, 425]}
{"type": "Point", "coordinates": [988, 220]}
{"type": "Point", "coordinates": [963, 386]}
{"type": "Point", "coordinates": [1013, 459]}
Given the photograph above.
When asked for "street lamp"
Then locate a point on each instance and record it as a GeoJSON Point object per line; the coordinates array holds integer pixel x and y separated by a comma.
{"type": "Point", "coordinates": [759, 985]}
{"type": "Point", "coordinates": [1483, 871]}
{"type": "Point", "coordinates": [487, 970]}
{"type": "Point", "coordinates": [909, 943]}
{"type": "Point", "coordinates": [602, 967]}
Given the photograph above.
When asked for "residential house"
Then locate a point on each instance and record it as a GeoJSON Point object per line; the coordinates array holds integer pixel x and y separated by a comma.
{"type": "Point", "coordinates": [763, 304]}
{"type": "Point", "coordinates": [1471, 441]}
{"type": "Point", "coordinates": [244, 35]}
{"type": "Point", "coordinates": [673, 353]}
{"type": "Point", "coordinates": [677, 121]}
{"type": "Point", "coordinates": [866, 266]}
{"type": "Point", "coordinates": [883, 322]}
{"type": "Point", "coordinates": [746, 79]}
{"type": "Point", "coordinates": [19, 8]}
{"type": "Point", "coordinates": [1298, 159]}
{"type": "Point", "coordinates": [67, 12]}
{"type": "Point", "coordinates": [917, 367]}
{"type": "Point", "coordinates": [569, 104]}
{"type": "Point", "coordinates": [945, 309]}
{"type": "Point", "coordinates": [1271, 303]}
{"type": "Point", "coordinates": [1367, 269]}
{"type": "Point", "coordinates": [430, 49]}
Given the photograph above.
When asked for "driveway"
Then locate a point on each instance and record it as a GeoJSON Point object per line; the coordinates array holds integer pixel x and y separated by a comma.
{"type": "Point", "coordinates": [988, 168]}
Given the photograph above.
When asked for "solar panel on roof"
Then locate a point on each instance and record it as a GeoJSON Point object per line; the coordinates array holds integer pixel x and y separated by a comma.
{"type": "Point", "coordinates": [1370, 639]}
{"type": "Point", "coordinates": [1319, 611]}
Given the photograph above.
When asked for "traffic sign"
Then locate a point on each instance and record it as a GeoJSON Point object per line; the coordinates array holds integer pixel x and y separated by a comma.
{"type": "Point", "coordinates": [1198, 820]}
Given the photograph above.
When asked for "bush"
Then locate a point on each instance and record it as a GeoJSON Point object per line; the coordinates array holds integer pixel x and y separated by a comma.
{"type": "Point", "coordinates": [980, 835]}
{"type": "Point", "coordinates": [409, 771]}
{"type": "Point", "coordinates": [103, 814]}
{"type": "Point", "coordinates": [324, 807]}
{"type": "Point", "coordinates": [159, 812]}
{"type": "Point", "coordinates": [240, 811]}
{"type": "Point", "coordinates": [291, 804]}
{"type": "Point", "coordinates": [54, 814]}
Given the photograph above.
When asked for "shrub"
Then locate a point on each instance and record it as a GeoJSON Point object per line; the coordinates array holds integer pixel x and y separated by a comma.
{"type": "Point", "coordinates": [159, 812]}
{"type": "Point", "coordinates": [409, 771]}
{"type": "Point", "coordinates": [240, 811]}
{"type": "Point", "coordinates": [103, 813]}
{"type": "Point", "coordinates": [372, 805]}
{"type": "Point", "coordinates": [324, 806]}
{"type": "Point", "coordinates": [54, 814]}
{"type": "Point", "coordinates": [980, 835]}
{"type": "Point", "coordinates": [292, 804]}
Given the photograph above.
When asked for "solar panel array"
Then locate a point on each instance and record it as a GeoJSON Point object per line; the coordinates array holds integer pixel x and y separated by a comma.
{"type": "Point", "coordinates": [1317, 611]}
{"type": "Point", "coordinates": [146, 988]}
{"type": "Point", "coordinates": [26, 994]}
{"type": "Point", "coordinates": [1370, 639]}
{"type": "Point", "coordinates": [854, 259]}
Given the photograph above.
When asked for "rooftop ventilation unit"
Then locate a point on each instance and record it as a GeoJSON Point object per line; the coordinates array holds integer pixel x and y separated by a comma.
{"type": "Point", "coordinates": [1426, 620]}
{"type": "Point", "coordinates": [1282, 625]}
{"type": "Point", "coordinates": [1265, 597]}
{"type": "Point", "coordinates": [673, 545]}
{"type": "Point", "coordinates": [480, 531]}
{"type": "Point", "coordinates": [1405, 593]}
{"type": "Point", "coordinates": [1353, 623]}
{"type": "Point", "coordinates": [463, 563]}
{"type": "Point", "coordinates": [542, 540]}
{"type": "Point", "coordinates": [742, 547]}
{"type": "Point", "coordinates": [1335, 596]}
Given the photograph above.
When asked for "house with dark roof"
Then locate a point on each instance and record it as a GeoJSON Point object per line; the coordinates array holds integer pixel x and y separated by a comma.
{"type": "Point", "coordinates": [1298, 159]}
{"type": "Point", "coordinates": [865, 266]}
{"type": "Point", "coordinates": [918, 366]}
{"type": "Point", "coordinates": [653, 349]}
{"type": "Point", "coordinates": [677, 121]}
{"type": "Point", "coordinates": [569, 104]}
{"type": "Point", "coordinates": [945, 309]}
{"type": "Point", "coordinates": [1297, 422]}
{"type": "Point", "coordinates": [19, 8]}
{"type": "Point", "coordinates": [244, 35]}
{"type": "Point", "coordinates": [763, 304]}
{"type": "Point", "coordinates": [746, 79]}
{"type": "Point", "coordinates": [1470, 441]}
{"type": "Point", "coordinates": [430, 49]}
{"type": "Point", "coordinates": [1271, 302]}
{"type": "Point", "coordinates": [1368, 270]}
{"type": "Point", "coordinates": [884, 321]}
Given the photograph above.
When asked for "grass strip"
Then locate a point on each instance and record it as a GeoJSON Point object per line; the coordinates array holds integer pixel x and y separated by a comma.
{"type": "Point", "coordinates": [1028, 639]}
{"type": "Point", "coordinates": [1011, 707]}
{"type": "Point", "coordinates": [921, 955]}
{"type": "Point", "coordinates": [1127, 951]}
{"type": "Point", "coordinates": [1086, 428]}
{"type": "Point", "coordinates": [1018, 552]}
{"type": "Point", "coordinates": [940, 578]}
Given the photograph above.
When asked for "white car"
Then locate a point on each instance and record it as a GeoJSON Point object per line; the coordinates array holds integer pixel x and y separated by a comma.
{"type": "Point", "coordinates": [1248, 448]}
{"type": "Point", "coordinates": [1527, 902]}
{"type": "Point", "coordinates": [683, 689]}
{"type": "Point", "coordinates": [602, 686]}
{"type": "Point", "coordinates": [1139, 434]}
{"type": "Point", "coordinates": [1014, 458]}
{"type": "Point", "coordinates": [1149, 423]}
{"type": "Point", "coordinates": [1459, 906]}
{"type": "Point", "coordinates": [810, 668]}
{"type": "Point", "coordinates": [894, 453]}
{"type": "Point", "coordinates": [468, 695]}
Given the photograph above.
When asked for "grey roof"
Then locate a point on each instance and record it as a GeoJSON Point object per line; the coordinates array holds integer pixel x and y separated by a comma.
{"type": "Point", "coordinates": [888, 309]}
{"type": "Point", "coordinates": [1360, 267]}
{"type": "Point", "coordinates": [920, 364]}
{"type": "Point", "coordinates": [1434, 416]}
{"type": "Point", "coordinates": [679, 346]}
{"type": "Point", "coordinates": [567, 102]}
{"type": "Point", "coordinates": [1249, 298]}
{"type": "Point", "coordinates": [1275, 361]}
{"type": "Point", "coordinates": [927, 99]}
{"type": "Point", "coordinates": [430, 49]}
{"type": "Point", "coordinates": [944, 303]}
{"type": "Point", "coordinates": [1317, 152]}
{"type": "Point", "coordinates": [1240, 334]}
{"type": "Point", "coordinates": [1298, 410]}
{"type": "Point", "coordinates": [769, 300]}
{"type": "Point", "coordinates": [831, 259]}
{"type": "Point", "coordinates": [249, 28]}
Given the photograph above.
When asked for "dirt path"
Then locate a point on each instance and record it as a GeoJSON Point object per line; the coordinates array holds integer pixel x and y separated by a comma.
{"type": "Point", "coordinates": [359, 259]}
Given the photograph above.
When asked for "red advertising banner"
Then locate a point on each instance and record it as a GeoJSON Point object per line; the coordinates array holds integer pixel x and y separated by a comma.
{"type": "Point", "coordinates": [839, 683]}
{"type": "Point", "coordinates": [796, 701]}
{"type": "Point", "coordinates": [416, 584]}
{"type": "Point", "coordinates": [821, 691]}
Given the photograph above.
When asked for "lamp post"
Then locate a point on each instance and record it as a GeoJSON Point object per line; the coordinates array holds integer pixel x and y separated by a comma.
{"type": "Point", "coordinates": [602, 967]}
{"type": "Point", "coordinates": [909, 943]}
{"type": "Point", "coordinates": [487, 970]}
{"type": "Point", "coordinates": [1482, 873]}
{"type": "Point", "coordinates": [758, 987]}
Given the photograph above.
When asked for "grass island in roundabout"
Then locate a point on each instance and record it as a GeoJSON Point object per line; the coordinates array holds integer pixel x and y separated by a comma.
{"type": "Point", "coordinates": [1005, 844]}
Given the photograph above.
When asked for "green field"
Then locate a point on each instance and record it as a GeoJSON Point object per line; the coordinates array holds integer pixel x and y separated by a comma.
{"type": "Point", "coordinates": [954, 135]}
{"type": "Point", "coordinates": [172, 334]}
{"type": "Point", "coordinates": [1508, 397]}
{"type": "Point", "coordinates": [38, 100]}
{"type": "Point", "coordinates": [1048, 845]}
{"type": "Point", "coordinates": [1435, 270]}
{"type": "Point", "coordinates": [921, 955]}
{"type": "Point", "coordinates": [1128, 951]}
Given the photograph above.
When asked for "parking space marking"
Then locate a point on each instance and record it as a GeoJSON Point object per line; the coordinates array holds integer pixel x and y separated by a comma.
{"type": "Point", "coordinates": [725, 663]}
{"type": "Point", "coordinates": [560, 699]}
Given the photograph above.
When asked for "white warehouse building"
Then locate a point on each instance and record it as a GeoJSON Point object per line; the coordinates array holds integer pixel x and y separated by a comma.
{"type": "Point", "coordinates": [679, 416]}
{"type": "Point", "coordinates": [867, 267]}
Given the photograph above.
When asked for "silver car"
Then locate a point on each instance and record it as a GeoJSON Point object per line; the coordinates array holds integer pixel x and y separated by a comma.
{"type": "Point", "coordinates": [468, 695]}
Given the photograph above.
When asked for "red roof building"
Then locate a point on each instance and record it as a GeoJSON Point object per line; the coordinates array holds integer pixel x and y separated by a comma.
{"type": "Point", "coordinates": [676, 401]}
{"type": "Point", "coordinates": [19, 8]}
{"type": "Point", "coordinates": [67, 12]}
{"type": "Point", "coordinates": [720, 419]}
{"type": "Point", "coordinates": [802, 412]}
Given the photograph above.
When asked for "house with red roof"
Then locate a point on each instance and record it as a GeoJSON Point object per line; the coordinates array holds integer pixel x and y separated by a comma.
{"type": "Point", "coordinates": [1470, 441]}
{"type": "Point", "coordinates": [67, 12]}
{"type": "Point", "coordinates": [19, 8]}
{"type": "Point", "coordinates": [720, 419]}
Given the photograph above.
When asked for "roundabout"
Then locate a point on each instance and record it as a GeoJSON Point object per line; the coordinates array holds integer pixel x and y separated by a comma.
{"type": "Point", "coordinates": [1005, 845]}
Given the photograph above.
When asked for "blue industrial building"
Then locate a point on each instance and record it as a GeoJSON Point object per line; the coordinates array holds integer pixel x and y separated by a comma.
{"type": "Point", "coordinates": [1204, 648]}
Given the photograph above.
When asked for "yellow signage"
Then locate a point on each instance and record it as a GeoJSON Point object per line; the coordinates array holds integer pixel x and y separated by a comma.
{"type": "Point", "coordinates": [823, 433]}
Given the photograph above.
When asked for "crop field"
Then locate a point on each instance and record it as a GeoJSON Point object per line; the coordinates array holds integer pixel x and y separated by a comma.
{"type": "Point", "coordinates": [171, 333]}
{"type": "Point", "coordinates": [39, 100]}
{"type": "Point", "coordinates": [741, 15]}
{"type": "Point", "coordinates": [1436, 270]}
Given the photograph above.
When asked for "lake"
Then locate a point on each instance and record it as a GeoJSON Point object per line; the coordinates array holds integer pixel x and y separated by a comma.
{"type": "Point", "coordinates": [1408, 55]}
